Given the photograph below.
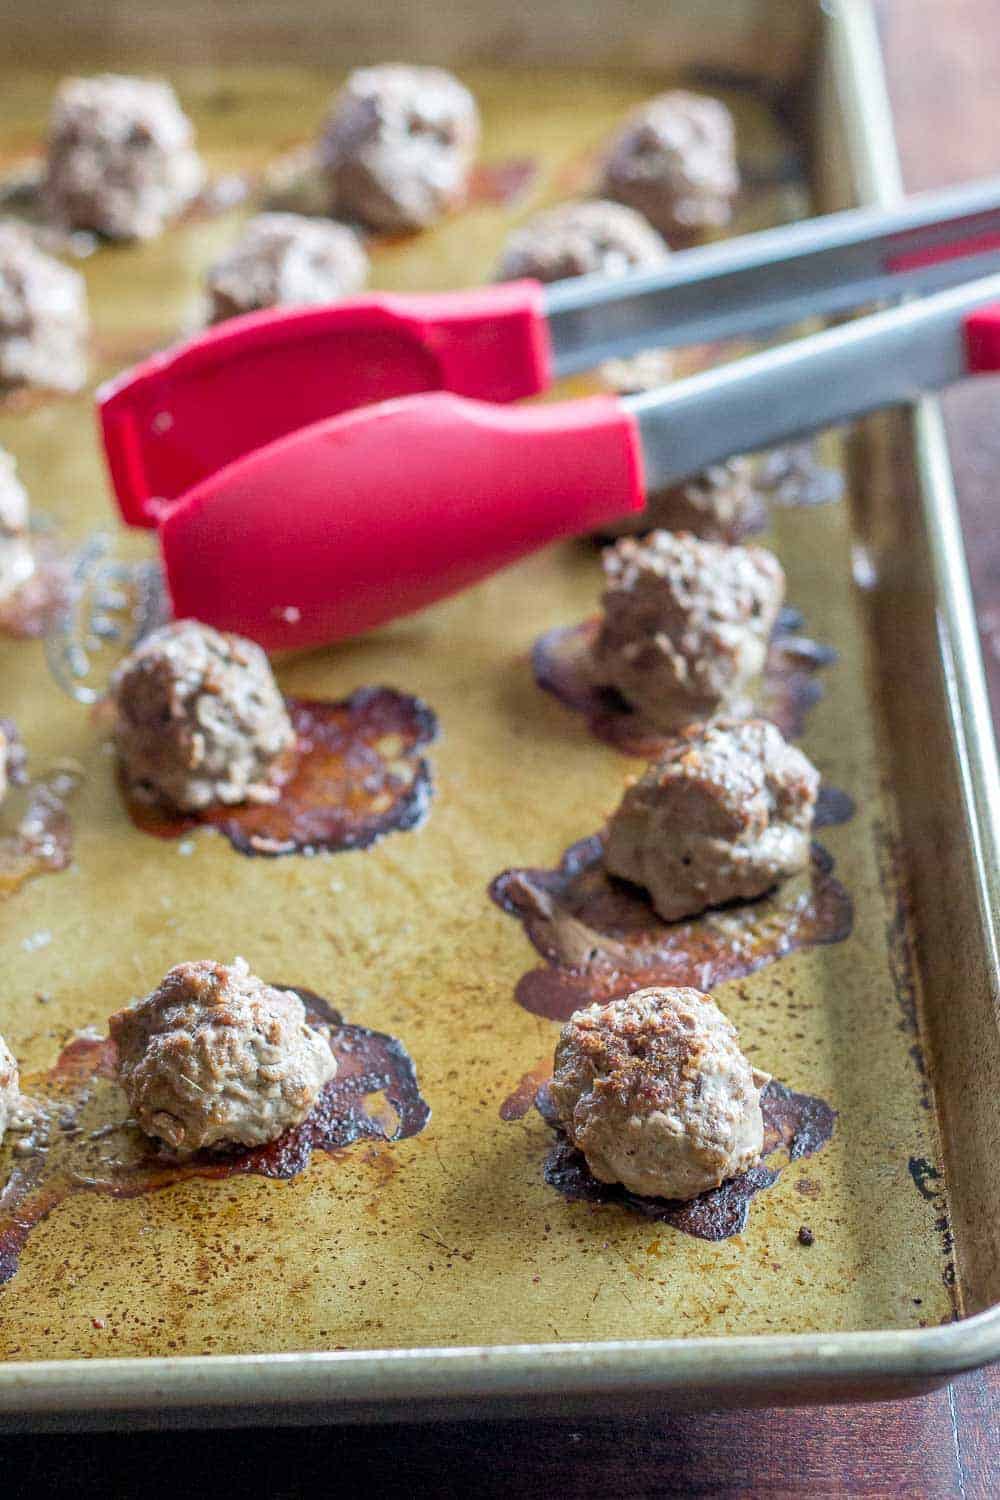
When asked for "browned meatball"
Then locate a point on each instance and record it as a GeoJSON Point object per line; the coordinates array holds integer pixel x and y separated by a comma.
{"type": "Point", "coordinates": [722, 816]}
{"type": "Point", "coordinates": [718, 505]}
{"type": "Point", "coordinates": [216, 1057]}
{"type": "Point", "coordinates": [581, 239]}
{"type": "Point", "coordinates": [17, 560]}
{"type": "Point", "coordinates": [398, 145]}
{"type": "Point", "coordinates": [675, 162]}
{"type": "Point", "coordinates": [121, 156]}
{"type": "Point", "coordinates": [655, 1092]}
{"type": "Point", "coordinates": [286, 259]}
{"type": "Point", "coordinates": [686, 624]}
{"type": "Point", "coordinates": [43, 316]}
{"type": "Point", "coordinates": [10, 1088]}
{"type": "Point", "coordinates": [199, 718]}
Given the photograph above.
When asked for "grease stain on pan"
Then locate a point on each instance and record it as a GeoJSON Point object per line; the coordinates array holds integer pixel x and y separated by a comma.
{"type": "Point", "coordinates": [561, 658]}
{"type": "Point", "coordinates": [80, 1139]}
{"type": "Point", "coordinates": [36, 829]}
{"type": "Point", "coordinates": [355, 775]}
{"type": "Point", "coordinates": [32, 609]}
{"type": "Point", "coordinates": [796, 1124]}
{"type": "Point", "coordinates": [600, 937]}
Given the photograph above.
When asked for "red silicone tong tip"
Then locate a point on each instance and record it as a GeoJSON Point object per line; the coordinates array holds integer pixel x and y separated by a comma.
{"type": "Point", "coordinates": [184, 414]}
{"type": "Point", "coordinates": [378, 512]}
{"type": "Point", "coordinates": [982, 340]}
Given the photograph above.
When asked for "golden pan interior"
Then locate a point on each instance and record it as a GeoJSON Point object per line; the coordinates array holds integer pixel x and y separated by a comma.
{"type": "Point", "coordinates": [452, 1239]}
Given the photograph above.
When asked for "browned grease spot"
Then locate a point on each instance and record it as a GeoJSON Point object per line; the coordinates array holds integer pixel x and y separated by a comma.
{"type": "Point", "coordinates": [36, 831]}
{"type": "Point", "coordinates": [517, 1104]}
{"type": "Point", "coordinates": [501, 182]}
{"type": "Point", "coordinates": [82, 1140]}
{"type": "Point", "coordinates": [561, 658]}
{"type": "Point", "coordinates": [34, 608]}
{"type": "Point", "coordinates": [799, 1124]}
{"type": "Point", "coordinates": [355, 776]}
{"type": "Point", "coordinates": [601, 938]}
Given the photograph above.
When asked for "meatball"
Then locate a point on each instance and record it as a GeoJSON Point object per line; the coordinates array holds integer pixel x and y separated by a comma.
{"type": "Point", "coordinates": [398, 145]}
{"type": "Point", "coordinates": [10, 1088]}
{"type": "Point", "coordinates": [121, 158]}
{"type": "Point", "coordinates": [286, 259]}
{"type": "Point", "coordinates": [686, 624]}
{"type": "Point", "coordinates": [199, 718]}
{"type": "Point", "coordinates": [17, 560]}
{"type": "Point", "coordinates": [216, 1057]}
{"type": "Point", "coordinates": [655, 1092]}
{"type": "Point", "coordinates": [43, 316]}
{"type": "Point", "coordinates": [723, 815]}
{"type": "Point", "coordinates": [716, 505]}
{"type": "Point", "coordinates": [580, 239]}
{"type": "Point", "coordinates": [675, 162]}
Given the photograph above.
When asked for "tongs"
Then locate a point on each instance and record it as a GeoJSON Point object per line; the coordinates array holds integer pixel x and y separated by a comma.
{"type": "Point", "coordinates": [290, 510]}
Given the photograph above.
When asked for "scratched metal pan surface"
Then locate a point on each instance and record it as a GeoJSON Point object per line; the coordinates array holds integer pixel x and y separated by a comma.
{"type": "Point", "coordinates": [441, 1275]}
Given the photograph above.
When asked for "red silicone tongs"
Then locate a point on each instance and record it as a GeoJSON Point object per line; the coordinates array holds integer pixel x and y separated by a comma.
{"type": "Point", "coordinates": [375, 513]}
{"type": "Point", "coordinates": [352, 520]}
{"type": "Point", "coordinates": [185, 413]}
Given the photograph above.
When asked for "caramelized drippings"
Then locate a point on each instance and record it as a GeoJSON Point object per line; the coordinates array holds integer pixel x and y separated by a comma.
{"type": "Point", "coordinates": [81, 1140]}
{"type": "Point", "coordinates": [31, 610]}
{"type": "Point", "coordinates": [355, 775]}
{"type": "Point", "coordinates": [799, 1124]}
{"type": "Point", "coordinates": [561, 661]}
{"type": "Point", "coordinates": [502, 182]}
{"type": "Point", "coordinates": [601, 938]}
{"type": "Point", "coordinates": [36, 830]}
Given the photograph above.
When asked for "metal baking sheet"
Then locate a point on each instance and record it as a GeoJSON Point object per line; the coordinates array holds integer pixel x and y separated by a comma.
{"type": "Point", "coordinates": [442, 1273]}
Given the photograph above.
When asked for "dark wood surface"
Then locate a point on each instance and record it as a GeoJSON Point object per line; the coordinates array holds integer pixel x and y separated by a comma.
{"type": "Point", "coordinates": [943, 58]}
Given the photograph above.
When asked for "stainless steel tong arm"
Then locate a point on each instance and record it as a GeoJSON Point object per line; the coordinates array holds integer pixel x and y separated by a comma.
{"type": "Point", "coordinates": [885, 359]}
{"type": "Point", "coordinates": [770, 280]}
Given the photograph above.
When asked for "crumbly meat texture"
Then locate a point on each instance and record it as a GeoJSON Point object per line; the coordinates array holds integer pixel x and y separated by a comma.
{"type": "Point", "coordinates": [10, 1088]}
{"type": "Point", "coordinates": [398, 146]}
{"type": "Point", "coordinates": [713, 506]}
{"type": "Point", "coordinates": [686, 624]}
{"type": "Point", "coordinates": [44, 323]}
{"type": "Point", "coordinates": [674, 161]}
{"type": "Point", "coordinates": [581, 239]}
{"type": "Point", "coordinates": [215, 1057]}
{"type": "Point", "coordinates": [17, 558]}
{"type": "Point", "coordinates": [723, 815]}
{"type": "Point", "coordinates": [284, 259]}
{"type": "Point", "coordinates": [199, 718]}
{"type": "Point", "coordinates": [655, 1092]}
{"type": "Point", "coordinates": [121, 156]}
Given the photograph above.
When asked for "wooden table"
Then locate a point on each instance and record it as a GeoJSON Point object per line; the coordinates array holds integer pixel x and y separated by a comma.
{"type": "Point", "coordinates": [943, 59]}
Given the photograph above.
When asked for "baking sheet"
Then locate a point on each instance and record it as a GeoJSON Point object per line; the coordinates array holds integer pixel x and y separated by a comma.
{"type": "Point", "coordinates": [452, 1238]}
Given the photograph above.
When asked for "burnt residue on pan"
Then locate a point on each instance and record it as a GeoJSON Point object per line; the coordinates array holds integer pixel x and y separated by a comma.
{"type": "Point", "coordinates": [796, 1124]}
{"type": "Point", "coordinates": [355, 775]}
{"type": "Point", "coordinates": [501, 182]}
{"type": "Point", "coordinates": [601, 938]}
{"type": "Point", "coordinates": [79, 1138]}
{"type": "Point", "coordinates": [36, 829]}
{"type": "Point", "coordinates": [31, 610]}
{"type": "Point", "coordinates": [561, 662]}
